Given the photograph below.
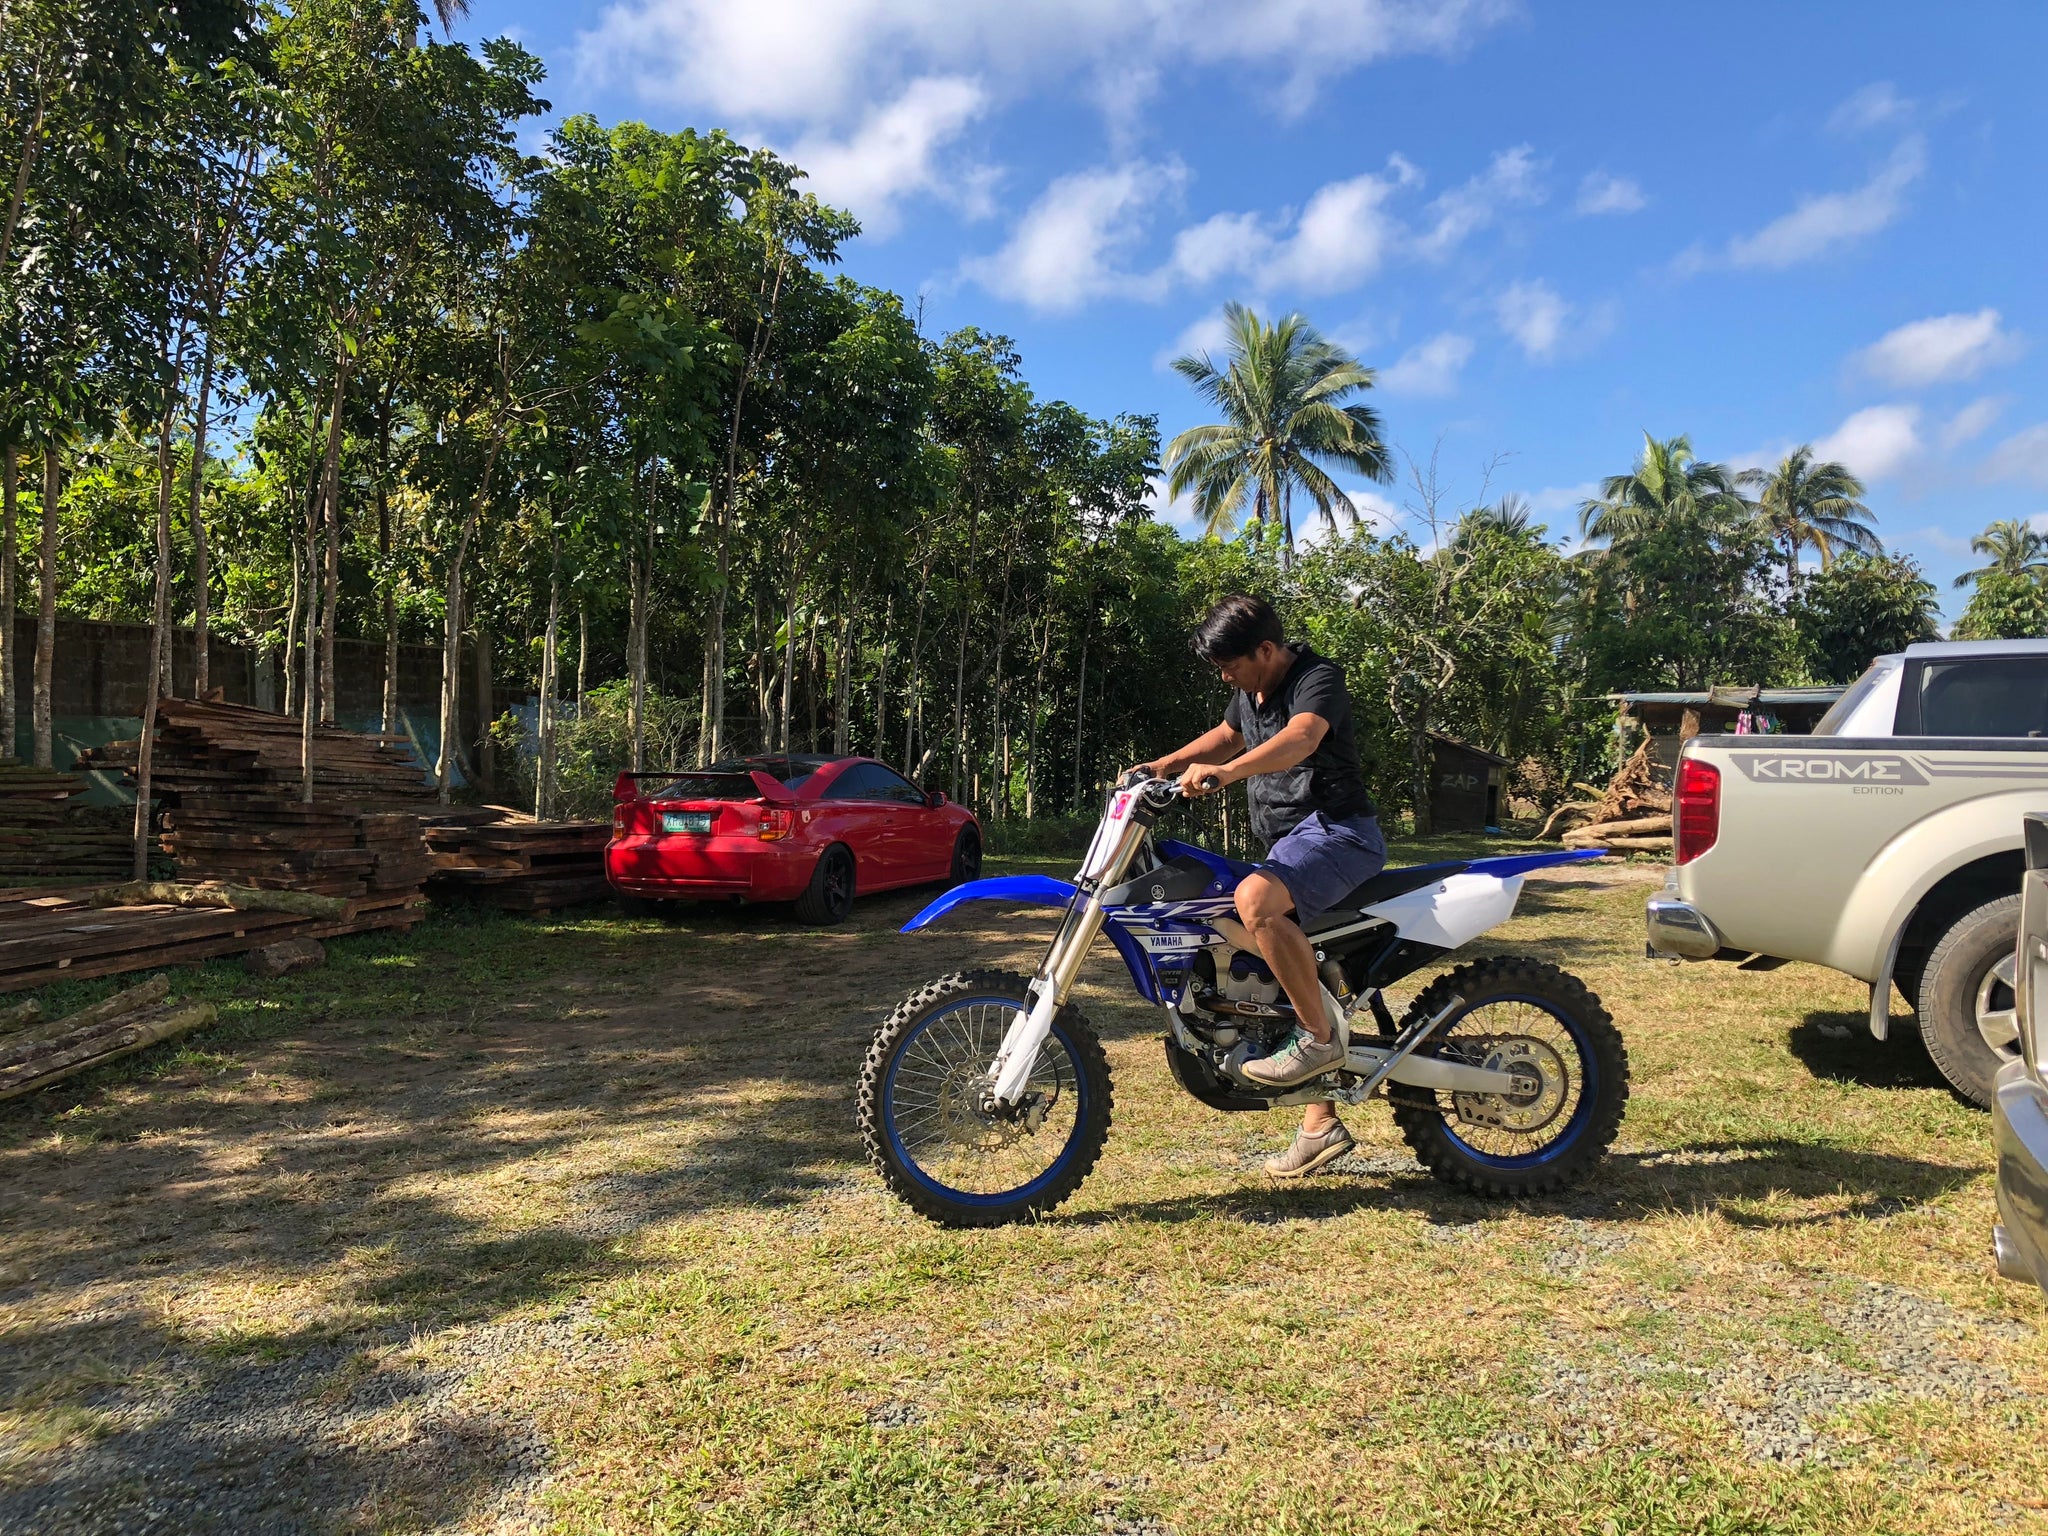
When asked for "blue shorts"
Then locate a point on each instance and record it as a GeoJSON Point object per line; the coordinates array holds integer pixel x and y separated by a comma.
{"type": "Point", "coordinates": [1322, 861]}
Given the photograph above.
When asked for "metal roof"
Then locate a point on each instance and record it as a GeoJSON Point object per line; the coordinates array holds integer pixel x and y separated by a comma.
{"type": "Point", "coordinates": [1765, 696]}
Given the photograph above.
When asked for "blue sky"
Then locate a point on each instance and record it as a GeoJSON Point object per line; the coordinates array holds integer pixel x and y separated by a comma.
{"type": "Point", "coordinates": [1550, 226]}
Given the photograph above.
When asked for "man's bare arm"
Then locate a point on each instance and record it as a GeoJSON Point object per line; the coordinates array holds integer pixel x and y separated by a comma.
{"type": "Point", "coordinates": [1289, 747]}
{"type": "Point", "coordinates": [1218, 744]}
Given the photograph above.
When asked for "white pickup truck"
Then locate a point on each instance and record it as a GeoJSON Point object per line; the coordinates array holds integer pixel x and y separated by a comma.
{"type": "Point", "coordinates": [1887, 844]}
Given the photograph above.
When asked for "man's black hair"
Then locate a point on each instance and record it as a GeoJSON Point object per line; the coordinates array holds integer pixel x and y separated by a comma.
{"type": "Point", "coordinates": [1236, 627]}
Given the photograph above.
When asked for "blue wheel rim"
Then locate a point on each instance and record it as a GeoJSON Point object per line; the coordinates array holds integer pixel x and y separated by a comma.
{"type": "Point", "coordinates": [1074, 1081]}
{"type": "Point", "coordinates": [1584, 1063]}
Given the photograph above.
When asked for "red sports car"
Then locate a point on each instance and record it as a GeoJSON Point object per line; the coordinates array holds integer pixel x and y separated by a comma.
{"type": "Point", "coordinates": [813, 830]}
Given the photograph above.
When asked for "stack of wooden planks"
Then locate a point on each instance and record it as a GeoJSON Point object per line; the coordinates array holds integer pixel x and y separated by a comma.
{"type": "Point", "coordinates": [34, 1054]}
{"type": "Point", "coordinates": [232, 781]}
{"type": "Point", "coordinates": [203, 747]}
{"type": "Point", "coordinates": [50, 936]}
{"type": "Point", "coordinates": [44, 835]}
{"type": "Point", "coordinates": [516, 863]}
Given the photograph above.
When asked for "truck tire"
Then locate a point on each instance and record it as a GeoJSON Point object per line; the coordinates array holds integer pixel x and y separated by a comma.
{"type": "Point", "coordinates": [1966, 999]}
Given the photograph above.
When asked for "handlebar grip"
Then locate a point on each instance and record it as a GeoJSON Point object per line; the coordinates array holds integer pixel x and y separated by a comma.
{"type": "Point", "coordinates": [1211, 783]}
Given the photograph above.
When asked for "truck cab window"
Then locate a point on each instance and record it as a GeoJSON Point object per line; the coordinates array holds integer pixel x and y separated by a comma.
{"type": "Point", "coordinates": [1984, 696]}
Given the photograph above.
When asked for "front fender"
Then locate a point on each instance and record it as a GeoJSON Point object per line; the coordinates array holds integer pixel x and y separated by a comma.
{"type": "Point", "coordinates": [1018, 890]}
{"type": "Point", "coordinates": [1043, 891]}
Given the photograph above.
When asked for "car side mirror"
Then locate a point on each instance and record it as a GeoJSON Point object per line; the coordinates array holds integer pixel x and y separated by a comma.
{"type": "Point", "coordinates": [935, 799]}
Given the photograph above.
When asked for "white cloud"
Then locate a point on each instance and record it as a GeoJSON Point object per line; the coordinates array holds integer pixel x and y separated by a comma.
{"type": "Point", "coordinates": [1515, 176]}
{"type": "Point", "coordinates": [1601, 192]}
{"type": "Point", "coordinates": [2023, 456]}
{"type": "Point", "coordinates": [1875, 442]}
{"type": "Point", "coordinates": [1534, 315]}
{"type": "Point", "coordinates": [1942, 347]}
{"type": "Point", "coordinates": [1431, 368]}
{"type": "Point", "coordinates": [1079, 240]}
{"type": "Point", "coordinates": [1343, 234]}
{"type": "Point", "coordinates": [1207, 334]}
{"type": "Point", "coordinates": [1872, 107]}
{"type": "Point", "coordinates": [1971, 422]}
{"type": "Point", "coordinates": [1069, 246]}
{"type": "Point", "coordinates": [817, 62]}
{"type": "Point", "coordinates": [1823, 224]}
{"type": "Point", "coordinates": [893, 154]}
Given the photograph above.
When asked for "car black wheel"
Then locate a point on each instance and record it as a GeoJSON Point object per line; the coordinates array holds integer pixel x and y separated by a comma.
{"type": "Point", "coordinates": [829, 897]}
{"type": "Point", "coordinates": [1967, 1006]}
{"type": "Point", "coordinates": [967, 855]}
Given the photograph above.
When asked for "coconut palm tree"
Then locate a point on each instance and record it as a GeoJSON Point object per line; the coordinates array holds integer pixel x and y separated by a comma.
{"type": "Point", "coordinates": [1668, 485]}
{"type": "Point", "coordinates": [2014, 548]}
{"type": "Point", "coordinates": [450, 12]}
{"type": "Point", "coordinates": [1807, 503]}
{"type": "Point", "coordinates": [1281, 391]}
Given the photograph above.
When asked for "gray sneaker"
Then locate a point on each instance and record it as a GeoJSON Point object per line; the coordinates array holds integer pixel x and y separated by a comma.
{"type": "Point", "coordinates": [1298, 1059]}
{"type": "Point", "coordinates": [1311, 1154]}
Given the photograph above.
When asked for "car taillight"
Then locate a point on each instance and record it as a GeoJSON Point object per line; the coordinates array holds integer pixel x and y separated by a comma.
{"type": "Point", "coordinates": [777, 822]}
{"type": "Point", "coordinates": [1696, 808]}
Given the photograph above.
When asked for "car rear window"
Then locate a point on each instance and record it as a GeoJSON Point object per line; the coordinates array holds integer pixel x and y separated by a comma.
{"type": "Point", "coordinates": [709, 785]}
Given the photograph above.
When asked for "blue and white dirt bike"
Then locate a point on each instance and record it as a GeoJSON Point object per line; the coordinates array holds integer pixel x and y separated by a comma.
{"type": "Point", "coordinates": [985, 1097]}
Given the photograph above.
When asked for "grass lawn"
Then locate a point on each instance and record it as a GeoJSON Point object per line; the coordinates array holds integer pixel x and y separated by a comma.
{"type": "Point", "coordinates": [562, 1225]}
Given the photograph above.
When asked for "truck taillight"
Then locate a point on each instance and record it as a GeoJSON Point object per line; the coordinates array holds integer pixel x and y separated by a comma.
{"type": "Point", "coordinates": [1696, 808]}
{"type": "Point", "coordinates": [776, 823]}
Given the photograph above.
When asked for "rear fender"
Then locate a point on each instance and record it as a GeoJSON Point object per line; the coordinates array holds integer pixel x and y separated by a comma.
{"type": "Point", "coordinates": [1043, 891]}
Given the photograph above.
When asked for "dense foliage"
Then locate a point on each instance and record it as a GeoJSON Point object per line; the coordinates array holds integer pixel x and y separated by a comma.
{"type": "Point", "coordinates": [301, 343]}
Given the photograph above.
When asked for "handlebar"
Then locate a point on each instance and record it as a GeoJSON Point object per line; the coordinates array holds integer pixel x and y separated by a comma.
{"type": "Point", "coordinates": [1163, 791]}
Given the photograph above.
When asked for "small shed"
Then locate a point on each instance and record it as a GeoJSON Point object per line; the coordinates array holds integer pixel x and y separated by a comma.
{"type": "Point", "coordinates": [1672, 719]}
{"type": "Point", "coordinates": [1467, 786]}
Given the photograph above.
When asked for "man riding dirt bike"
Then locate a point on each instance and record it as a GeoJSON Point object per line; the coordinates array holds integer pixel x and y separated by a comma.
{"type": "Point", "coordinates": [986, 1097]}
{"type": "Point", "coordinates": [1291, 722]}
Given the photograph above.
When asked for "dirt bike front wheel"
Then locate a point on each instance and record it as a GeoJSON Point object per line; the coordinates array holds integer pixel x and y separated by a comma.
{"type": "Point", "coordinates": [941, 1144]}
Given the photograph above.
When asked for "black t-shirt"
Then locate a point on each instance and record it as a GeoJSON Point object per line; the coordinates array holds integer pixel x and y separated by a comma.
{"type": "Point", "coordinates": [1330, 780]}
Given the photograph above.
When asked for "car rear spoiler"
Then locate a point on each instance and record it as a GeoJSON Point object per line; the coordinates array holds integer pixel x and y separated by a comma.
{"type": "Point", "coordinates": [627, 785]}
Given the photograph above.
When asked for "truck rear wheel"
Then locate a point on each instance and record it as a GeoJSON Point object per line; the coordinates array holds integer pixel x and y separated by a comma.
{"type": "Point", "coordinates": [1966, 1002]}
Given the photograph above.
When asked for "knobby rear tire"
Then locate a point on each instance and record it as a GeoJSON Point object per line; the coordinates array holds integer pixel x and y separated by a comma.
{"type": "Point", "coordinates": [1422, 1116]}
{"type": "Point", "coordinates": [1087, 1139]}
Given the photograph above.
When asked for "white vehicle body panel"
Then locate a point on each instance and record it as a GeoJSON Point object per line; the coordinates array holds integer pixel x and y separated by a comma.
{"type": "Point", "coordinates": [1454, 911]}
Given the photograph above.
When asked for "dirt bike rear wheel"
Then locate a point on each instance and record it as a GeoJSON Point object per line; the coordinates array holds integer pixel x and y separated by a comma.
{"type": "Point", "coordinates": [1531, 1015]}
{"type": "Point", "coordinates": [946, 1154]}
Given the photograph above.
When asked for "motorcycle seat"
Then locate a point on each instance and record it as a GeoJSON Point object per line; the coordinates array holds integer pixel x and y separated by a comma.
{"type": "Point", "coordinates": [1384, 886]}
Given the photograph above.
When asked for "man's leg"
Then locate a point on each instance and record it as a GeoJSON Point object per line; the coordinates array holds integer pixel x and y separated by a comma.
{"type": "Point", "coordinates": [1263, 903]}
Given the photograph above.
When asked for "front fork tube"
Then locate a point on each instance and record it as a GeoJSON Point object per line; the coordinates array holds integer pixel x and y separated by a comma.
{"type": "Point", "coordinates": [1011, 1070]}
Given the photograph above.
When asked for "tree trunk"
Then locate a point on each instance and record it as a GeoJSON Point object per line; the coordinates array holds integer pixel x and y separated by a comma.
{"type": "Point", "coordinates": [842, 690]}
{"type": "Point", "coordinates": [388, 580]}
{"type": "Point", "coordinates": [1080, 703]}
{"type": "Point", "coordinates": [46, 610]}
{"type": "Point", "coordinates": [882, 677]}
{"type": "Point", "coordinates": [960, 662]}
{"type": "Point", "coordinates": [1031, 729]}
{"type": "Point", "coordinates": [159, 640]}
{"type": "Point", "coordinates": [451, 628]}
{"type": "Point", "coordinates": [309, 664]}
{"type": "Point", "coordinates": [788, 663]}
{"type": "Point", "coordinates": [582, 650]}
{"type": "Point", "coordinates": [291, 628]}
{"type": "Point", "coordinates": [202, 576]}
{"type": "Point", "coordinates": [636, 659]}
{"type": "Point", "coordinates": [550, 686]}
{"type": "Point", "coordinates": [486, 758]}
{"type": "Point", "coordinates": [330, 496]}
{"type": "Point", "coordinates": [1418, 778]}
{"type": "Point", "coordinates": [10, 485]}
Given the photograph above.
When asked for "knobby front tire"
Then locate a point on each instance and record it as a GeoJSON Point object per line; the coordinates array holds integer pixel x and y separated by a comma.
{"type": "Point", "coordinates": [957, 1020]}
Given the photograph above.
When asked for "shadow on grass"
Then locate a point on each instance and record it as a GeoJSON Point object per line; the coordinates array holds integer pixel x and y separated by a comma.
{"type": "Point", "coordinates": [1737, 1181]}
{"type": "Point", "coordinates": [1837, 1048]}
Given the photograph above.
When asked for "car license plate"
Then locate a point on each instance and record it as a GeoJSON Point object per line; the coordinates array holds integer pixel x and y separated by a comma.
{"type": "Point", "coordinates": [686, 821]}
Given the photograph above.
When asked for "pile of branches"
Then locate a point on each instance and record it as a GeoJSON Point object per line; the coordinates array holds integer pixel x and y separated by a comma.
{"type": "Point", "coordinates": [34, 1054]}
{"type": "Point", "coordinates": [1631, 815]}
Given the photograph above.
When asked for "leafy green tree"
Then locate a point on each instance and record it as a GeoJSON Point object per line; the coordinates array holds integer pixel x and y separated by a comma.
{"type": "Point", "coordinates": [1862, 606]}
{"type": "Point", "coordinates": [1802, 502]}
{"type": "Point", "coordinates": [2014, 547]}
{"type": "Point", "coordinates": [1281, 390]}
{"type": "Point", "coordinates": [1667, 488]}
{"type": "Point", "coordinates": [2005, 606]}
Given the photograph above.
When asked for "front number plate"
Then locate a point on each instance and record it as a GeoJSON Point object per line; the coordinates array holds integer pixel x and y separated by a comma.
{"type": "Point", "coordinates": [686, 821]}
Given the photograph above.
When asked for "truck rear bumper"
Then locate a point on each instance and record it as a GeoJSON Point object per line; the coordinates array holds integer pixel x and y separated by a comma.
{"type": "Point", "coordinates": [1677, 929]}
